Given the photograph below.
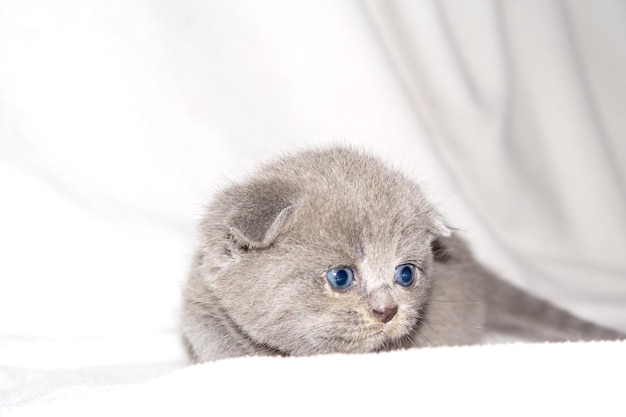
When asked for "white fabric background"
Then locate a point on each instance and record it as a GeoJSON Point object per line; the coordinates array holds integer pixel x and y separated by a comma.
{"type": "Point", "coordinates": [118, 119]}
{"type": "Point", "coordinates": [526, 102]}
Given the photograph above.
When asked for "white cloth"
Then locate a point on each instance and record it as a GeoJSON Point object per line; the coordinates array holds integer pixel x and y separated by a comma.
{"type": "Point", "coordinates": [516, 380]}
{"type": "Point", "coordinates": [525, 102]}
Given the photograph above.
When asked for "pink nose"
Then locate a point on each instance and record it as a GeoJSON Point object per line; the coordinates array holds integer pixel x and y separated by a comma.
{"type": "Point", "coordinates": [385, 313]}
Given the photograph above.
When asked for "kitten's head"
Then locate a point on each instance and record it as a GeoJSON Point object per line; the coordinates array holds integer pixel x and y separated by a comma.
{"type": "Point", "coordinates": [322, 251]}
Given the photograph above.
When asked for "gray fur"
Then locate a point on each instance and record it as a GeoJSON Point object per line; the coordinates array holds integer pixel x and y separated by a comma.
{"type": "Point", "coordinates": [258, 285]}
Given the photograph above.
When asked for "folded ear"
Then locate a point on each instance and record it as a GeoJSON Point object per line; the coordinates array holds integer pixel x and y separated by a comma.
{"type": "Point", "coordinates": [261, 210]}
{"type": "Point", "coordinates": [439, 230]}
{"type": "Point", "coordinates": [439, 227]}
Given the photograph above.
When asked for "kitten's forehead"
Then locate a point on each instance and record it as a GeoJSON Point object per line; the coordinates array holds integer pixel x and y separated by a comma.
{"type": "Point", "coordinates": [355, 223]}
{"type": "Point", "coordinates": [356, 206]}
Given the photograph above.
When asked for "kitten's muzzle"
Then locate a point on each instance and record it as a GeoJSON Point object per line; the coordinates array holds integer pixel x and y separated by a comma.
{"type": "Point", "coordinates": [385, 312]}
{"type": "Point", "coordinates": [382, 304]}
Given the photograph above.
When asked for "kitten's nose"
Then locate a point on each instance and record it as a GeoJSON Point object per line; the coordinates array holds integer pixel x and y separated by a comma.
{"type": "Point", "coordinates": [385, 312]}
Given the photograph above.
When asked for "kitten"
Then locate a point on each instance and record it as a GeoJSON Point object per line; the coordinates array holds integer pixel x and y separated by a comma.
{"type": "Point", "coordinates": [332, 251]}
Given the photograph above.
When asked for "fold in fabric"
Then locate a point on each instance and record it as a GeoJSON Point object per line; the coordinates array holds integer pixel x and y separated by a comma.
{"type": "Point", "coordinates": [525, 102]}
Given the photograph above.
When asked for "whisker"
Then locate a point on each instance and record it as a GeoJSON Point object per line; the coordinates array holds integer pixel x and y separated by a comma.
{"type": "Point", "coordinates": [417, 344]}
{"type": "Point", "coordinates": [430, 342]}
{"type": "Point", "coordinates": [453, 302]}
{"type": "Point", "coordinates": [432, 330]}
{"type": "Point", "coordinates": [457, 324]}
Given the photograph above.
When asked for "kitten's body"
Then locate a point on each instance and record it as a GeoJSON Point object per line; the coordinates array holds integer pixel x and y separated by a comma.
{"type": "Point", "coordinates": [258, 286]}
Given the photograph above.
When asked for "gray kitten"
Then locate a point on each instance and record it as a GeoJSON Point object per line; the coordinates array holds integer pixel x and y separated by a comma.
{"type": "Point", "coordinates": [332, 251]}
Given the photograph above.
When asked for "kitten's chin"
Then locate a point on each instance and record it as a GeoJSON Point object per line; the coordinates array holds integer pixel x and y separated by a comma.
{"type": "Point", "coordinates": [381, 342]}
{"type": "Point", "coordinates": [384, 339]}
{"type": "Point", "coordinates": [366, 337]}
{"type": "Point", "coordinates": [371, 343]}
{"type": "Point", "coordinates": [393, 336]}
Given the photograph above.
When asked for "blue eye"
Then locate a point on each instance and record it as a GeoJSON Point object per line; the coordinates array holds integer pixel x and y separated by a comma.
{"type": "Point", "coordinates": [405, 274]}
{"type": "Point", "coordinates": [340, 278]}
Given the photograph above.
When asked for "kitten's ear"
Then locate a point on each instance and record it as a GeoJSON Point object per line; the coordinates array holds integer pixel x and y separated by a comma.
{"type": "Point", "coordinates": [439, 227]}
{"type": "Point", "coordinates": [260, 213]}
